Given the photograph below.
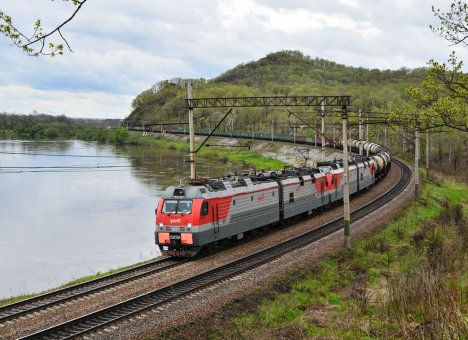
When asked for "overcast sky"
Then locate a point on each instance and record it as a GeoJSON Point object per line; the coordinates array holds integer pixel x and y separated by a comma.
{"type": "Point", "coordinates": [123, 47]}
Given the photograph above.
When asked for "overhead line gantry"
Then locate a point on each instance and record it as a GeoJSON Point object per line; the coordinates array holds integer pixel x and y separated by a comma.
{"type": "Point", "coordinates": [343, 102]}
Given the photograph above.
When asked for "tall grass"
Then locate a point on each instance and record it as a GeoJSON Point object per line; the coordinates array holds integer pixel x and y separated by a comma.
{"type": "Point", "coordinates": [408, 280]}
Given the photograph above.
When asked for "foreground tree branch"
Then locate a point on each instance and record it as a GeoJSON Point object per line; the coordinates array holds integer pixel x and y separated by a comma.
{"type": "Point", "coordinates": [443, 95]}
{"type": "Point", "coordinates": [38, 43]}
{"type": "Point", "coordinates": [454, 24]}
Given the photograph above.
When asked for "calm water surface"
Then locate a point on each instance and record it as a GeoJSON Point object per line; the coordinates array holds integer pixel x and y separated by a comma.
{"type": "Point", "coordinates": [59, 221]}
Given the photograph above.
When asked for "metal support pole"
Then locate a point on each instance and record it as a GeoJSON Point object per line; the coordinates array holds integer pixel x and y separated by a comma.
{"type": "Point", "coordinates": [385, 137]}
{"type": "Point", "coordinates": [253, 129]}
{"type": "Point", "coordinates": [315, 134]}
{"type": "Point", "coordinates": [427, 154]}
{"type": "Point", "coordinates": [347, 218]}
{"type": "Point", "coordinates": [334, 134]}
{"type": "Point", "coordinates": [272, 130]}
{"type": "Point", "coordinates": [416, 162]}
{"type": "Point", "coordinates": [360, 134]}
{"type": "Point", "coordinates": [231, 125]}
{"type": "Point", "coordinates": [322, 118]}
{"type": "Point", "coordinates": [191, 133]}
{"type": "Point", "coordinates": [294, 133]}
{"type": "Point", "coordinates": [367, 132]}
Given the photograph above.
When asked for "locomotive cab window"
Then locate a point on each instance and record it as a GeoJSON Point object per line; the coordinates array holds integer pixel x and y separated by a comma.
{"type": "Point", "coordinates": [177, 207]}
{"type": "Point", "coordinates": [204, 209]}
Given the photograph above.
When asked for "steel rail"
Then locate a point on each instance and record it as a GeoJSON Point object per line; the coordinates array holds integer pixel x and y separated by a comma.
{"type": "Point", "coordinates": [103, 317]}
{"type": "Point", "coordinates": [63, 295]}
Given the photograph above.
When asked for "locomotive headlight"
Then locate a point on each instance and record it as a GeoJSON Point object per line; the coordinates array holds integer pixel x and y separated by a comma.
{"type": "Point", "coordinates": [189, 225]}
{"type": "Point", "coordinates": [161, 226]}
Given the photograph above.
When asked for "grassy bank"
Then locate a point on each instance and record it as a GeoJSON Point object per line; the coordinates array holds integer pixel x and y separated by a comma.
{"type": "Point", "coordinates": [18, 298]}
{"type": "Point", "coordinates": [121, 136]}
{"type": "Point", "coordinates": [242, 156]}
{"type": "Point", "coordinates": [408, 280]}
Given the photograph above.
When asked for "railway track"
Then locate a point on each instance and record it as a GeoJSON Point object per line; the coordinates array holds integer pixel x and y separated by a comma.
{"type": "Point", "coordinates": [104, 317]}
{"type": "Point", "coordinates": [61, 296]}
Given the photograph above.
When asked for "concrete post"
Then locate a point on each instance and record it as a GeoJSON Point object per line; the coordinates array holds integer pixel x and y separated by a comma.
{"type": "Point", "coordinates": [294, 133]}
{"type": "Point", "coordinates": [193, 174]}
{"type": "Point", "coordinates": [427, 155]}
{"type": "Point", "coordinates": [385, 136]}
{"type": "Point", "coordinates": [334, 134]}
{"type": "Point", "coordinates": [416, 162]}
{"type": "Point", "coordinates": [360, 134]}
{"type": "Point", "coordinates": [322, 117]}
{"type": "Point", "coordinates": [347, 218]}
{"type": "Point", "coordinates": [272, 130]}
{"type": "Point", "coordinates": [367, 132]}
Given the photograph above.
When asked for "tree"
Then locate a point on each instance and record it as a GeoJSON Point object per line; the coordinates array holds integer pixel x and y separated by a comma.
{"type": "Point", "coordinates": [454, 24]}
{"type": "Point", "coordinates": [443, 97]}
{"type": "Point", "coordinates": [38, 43]}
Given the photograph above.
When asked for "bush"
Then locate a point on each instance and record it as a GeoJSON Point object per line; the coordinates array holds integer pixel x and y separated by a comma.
{"type": "Point", "coordinates": [119, 135]}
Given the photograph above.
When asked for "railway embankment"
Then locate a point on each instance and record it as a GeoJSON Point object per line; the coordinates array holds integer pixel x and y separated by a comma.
{"type": "Point", "coordinates": [405, 280]}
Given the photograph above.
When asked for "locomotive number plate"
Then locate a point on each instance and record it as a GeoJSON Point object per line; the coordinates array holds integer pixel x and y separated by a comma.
{"type": "Point", "coordinates": [174, 237]}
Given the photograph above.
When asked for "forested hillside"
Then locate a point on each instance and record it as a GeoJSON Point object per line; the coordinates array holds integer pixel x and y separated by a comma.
{"type": "Point", "coordinates": [278, 74]}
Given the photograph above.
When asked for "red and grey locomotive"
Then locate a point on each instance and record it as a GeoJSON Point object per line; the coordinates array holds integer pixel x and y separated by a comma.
{"type": "Point", "coordinates": [212, 211]}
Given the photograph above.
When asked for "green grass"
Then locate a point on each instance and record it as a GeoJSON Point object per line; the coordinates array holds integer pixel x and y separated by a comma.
{"type": "Point", "coordinates": [335, 283]}
{"type": "Point", "coordinates": [241, 157]}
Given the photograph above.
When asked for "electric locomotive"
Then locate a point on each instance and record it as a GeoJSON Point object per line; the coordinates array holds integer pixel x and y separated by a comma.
{"type": "Point", "coordinates": [211, 211]}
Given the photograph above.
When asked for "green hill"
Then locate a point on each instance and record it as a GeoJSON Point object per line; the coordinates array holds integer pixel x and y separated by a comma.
{"type": "Point", "coordinates": [278, 74]}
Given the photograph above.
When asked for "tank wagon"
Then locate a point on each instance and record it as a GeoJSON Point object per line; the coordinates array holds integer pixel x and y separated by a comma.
{"type": "Point", "coordinates": [215, 211]}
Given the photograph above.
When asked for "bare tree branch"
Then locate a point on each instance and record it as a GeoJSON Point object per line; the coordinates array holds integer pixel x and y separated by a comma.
{"type": "Point", "coordinates": [38, 37]}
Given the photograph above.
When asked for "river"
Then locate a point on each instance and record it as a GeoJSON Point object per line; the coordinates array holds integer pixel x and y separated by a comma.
{"type": "Point", "coordinates": [70, 208]}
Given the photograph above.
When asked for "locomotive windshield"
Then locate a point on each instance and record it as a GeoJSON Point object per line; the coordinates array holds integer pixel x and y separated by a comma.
{"type": "Point", "coordinates": [177, 207]}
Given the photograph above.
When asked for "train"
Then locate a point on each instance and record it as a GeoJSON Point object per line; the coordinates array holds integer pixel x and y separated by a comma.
{"type": "Point", "coordinates": [211, 212]}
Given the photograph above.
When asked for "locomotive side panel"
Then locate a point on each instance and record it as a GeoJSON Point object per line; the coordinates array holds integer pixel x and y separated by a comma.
{"type": "Point", "coordinates": [252, 210]}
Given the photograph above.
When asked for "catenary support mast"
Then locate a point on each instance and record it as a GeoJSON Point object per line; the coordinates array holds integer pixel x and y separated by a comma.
{"type": "Point", "coordinates": [193, 173]}
{"type": "Point", "coordinates": [360, 133]}
{"type": "Point", "coordinates": [416, 162]}
{"type": "Point", "coordinates": [347, 218]}
{"type": "Point", "coordinates": [322, 117]}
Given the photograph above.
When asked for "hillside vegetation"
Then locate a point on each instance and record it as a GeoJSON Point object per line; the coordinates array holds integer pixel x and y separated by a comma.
{"type": "Point", "coordinates": [285, 73]}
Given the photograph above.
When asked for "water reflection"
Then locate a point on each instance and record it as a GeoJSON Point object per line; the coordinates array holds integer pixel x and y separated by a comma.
{"type": "Point", "coordinates": [58, 225]}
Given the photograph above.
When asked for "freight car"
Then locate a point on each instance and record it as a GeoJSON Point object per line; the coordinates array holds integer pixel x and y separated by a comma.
{"type": "Point", "coordinates": [211, 212]}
